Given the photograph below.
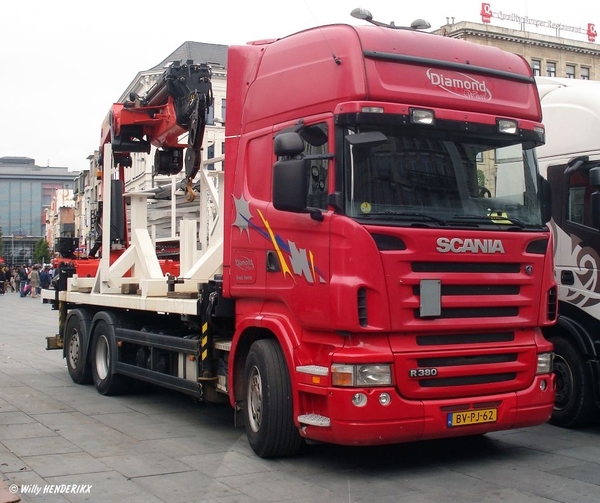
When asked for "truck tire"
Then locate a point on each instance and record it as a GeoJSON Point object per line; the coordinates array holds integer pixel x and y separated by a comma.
{"type": "Point", "coordinates": [103, 350]}
{"type": "Point", "coordinates": [76, 334]}
{"type": "Point", "coordinates": [574, 403]}
{"type": "Point", "coordinates": [268, 409]}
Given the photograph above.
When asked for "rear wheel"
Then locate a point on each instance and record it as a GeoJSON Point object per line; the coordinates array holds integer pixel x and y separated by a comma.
{"type": "Point", "coordinates": [76, 332]}
{"type": "Point", "coordinates": [268, 405]}
{"type": "Point", "coordinates": [574, 403]}
{"type": "Point", "coordinates": [103, 351]}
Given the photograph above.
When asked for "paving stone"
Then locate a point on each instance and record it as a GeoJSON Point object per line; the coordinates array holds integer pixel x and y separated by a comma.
{"type": "Point", "coordinates": [38, 446]}
{"type": "Point", "coordinates": [24, 430]}
{"type": "Point", "coordinates": [65, 464]}
{"type": "Point", "coordinates": [142, 465]}
{"type": "Point", "coordinates": [225, 464]}
{"type": "Point", "coordinates": [15, 417]}
{"type": "Point", "coordinates": [191, 486]}
{"type": "Point", "coordinates": [106, 487]}
{"type": "Point", "coordinates": [59, 420]}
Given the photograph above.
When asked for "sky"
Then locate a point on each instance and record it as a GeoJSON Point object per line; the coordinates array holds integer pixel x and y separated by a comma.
{"type": "Point", "coordinates": [64, 62]}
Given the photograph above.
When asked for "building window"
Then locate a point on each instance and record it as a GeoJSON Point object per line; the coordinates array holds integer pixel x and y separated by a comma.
{"type": "Point", "coordinates": [536, 66]}
{"type": "Point", "coordinates": [223, 108]}
{"type": "Point", "coordinates": [210, 154]}
{"type": "Point", "coordinates": [585, 73]}
{"type": "Point", "coordinates": [210, 117]}
{"type": "Point", "coordinates": [550, 69]}
{"type": "Point", "coordinates": [570, 71]}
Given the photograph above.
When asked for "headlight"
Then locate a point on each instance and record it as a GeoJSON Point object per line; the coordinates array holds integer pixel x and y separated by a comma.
{"type": "Point", "coordinates": [361, 375]}
{"type": "Point", "coordinates": [545, 363]}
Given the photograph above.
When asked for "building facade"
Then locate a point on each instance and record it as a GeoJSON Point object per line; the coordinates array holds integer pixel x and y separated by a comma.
{"type": "Point", "coordinates": [26, 192]}
{"type": "Point", "coordinates": [60, 220]}
{"type": "Point", "coordinates": [548, 56]}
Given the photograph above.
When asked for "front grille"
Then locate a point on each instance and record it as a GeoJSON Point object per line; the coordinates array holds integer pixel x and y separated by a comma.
{"type": "Point", "coordinates": [447, 361]}
{"type": "Point", "coordinates": [469, 290]}
{"type": "Point", "coordinates": [475, 312]}
{"type": "Point", "coordinates": [464, 364]}
{"type": "Point", "coordinates": [476, 290]}
{"type": "Point", "coordinates": [467, 267]}
{"type": "Point", "coordinates": [468, 380]}
{"type": "Point", "coordinates": [476, 338]}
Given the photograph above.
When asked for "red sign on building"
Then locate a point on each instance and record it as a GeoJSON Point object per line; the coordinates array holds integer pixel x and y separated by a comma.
{"type": "Point", "coordinates": [486, 12]}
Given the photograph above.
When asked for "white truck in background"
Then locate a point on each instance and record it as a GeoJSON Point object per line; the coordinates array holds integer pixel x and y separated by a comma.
{"type": "Point", "coordinates": [570, 161]}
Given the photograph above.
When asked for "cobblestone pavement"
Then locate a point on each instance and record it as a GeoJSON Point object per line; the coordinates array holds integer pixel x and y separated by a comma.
{"type": "Point", "coordinates": [69, 444]}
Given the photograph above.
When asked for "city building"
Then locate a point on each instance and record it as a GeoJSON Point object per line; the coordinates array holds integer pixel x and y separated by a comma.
{"type": "Point", "coordinates": [60, 221]}
{"type": "Point", "coordinates": [26, 192]}
{"type": "Point", "coordinates": [548, 55]}
{"type": "Point", "coordinates": [85, 195]}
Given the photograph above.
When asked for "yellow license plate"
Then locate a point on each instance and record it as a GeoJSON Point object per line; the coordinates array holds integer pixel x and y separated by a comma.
{"type": "Point", "coordinates": [470, 417]}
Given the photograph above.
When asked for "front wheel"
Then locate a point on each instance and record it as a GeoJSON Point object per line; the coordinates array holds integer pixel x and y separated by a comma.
{"type": "Point", "coordinates": [268, 409]}
{"type": "Point", "coordinates": [103, 351]}
{"type": "Point", "coordinates": [574, 403]}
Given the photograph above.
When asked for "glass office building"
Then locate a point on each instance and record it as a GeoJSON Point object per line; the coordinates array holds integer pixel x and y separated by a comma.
{"type": "Point", "coordinates": [26, 191]}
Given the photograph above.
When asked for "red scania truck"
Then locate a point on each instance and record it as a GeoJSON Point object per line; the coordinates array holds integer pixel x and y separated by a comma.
{"type": "Point", "coordinates": [369, 277]}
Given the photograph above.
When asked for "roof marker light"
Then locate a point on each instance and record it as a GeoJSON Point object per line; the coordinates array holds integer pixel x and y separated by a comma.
{"type": "Point", "coordinates": [421, 116]}
{"type": "Point", "coordinates": [372, 110]}
{"type": "Point", "coordinates": [508, 126]}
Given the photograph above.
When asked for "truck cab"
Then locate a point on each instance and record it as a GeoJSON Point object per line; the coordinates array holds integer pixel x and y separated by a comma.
{"type": "Point", "coordinates": [388, 234]}
{"type": "Point", "coordinates": [570, 160]}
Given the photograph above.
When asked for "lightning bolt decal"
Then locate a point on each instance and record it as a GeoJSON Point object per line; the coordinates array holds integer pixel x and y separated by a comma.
{"type": "Point", "coordinates": [284, 267]}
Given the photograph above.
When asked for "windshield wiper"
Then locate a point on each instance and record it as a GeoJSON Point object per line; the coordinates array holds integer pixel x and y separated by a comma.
{"type": "Point", "coordinates": [407, 214]}
{"type": "Point", "coordinates": [498, 220]}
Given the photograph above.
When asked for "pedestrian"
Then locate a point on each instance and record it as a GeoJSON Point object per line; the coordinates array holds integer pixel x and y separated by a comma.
{"type": "Point", "coordinates": [14, 281]}
{"type": "Point", "coordinates": [23, 279]}
{"type": "Point", "coordinates": [34, 281]}
{"type": "Point", "coordinates": [2, 280]}
{"type": "Point", "coordinates": [45, 278]}
{"type": "Point", "coordinates": [8, 280]}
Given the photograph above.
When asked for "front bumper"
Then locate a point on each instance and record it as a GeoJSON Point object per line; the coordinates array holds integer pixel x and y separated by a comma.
{"type": "Point", "coordinates": [409, 420]}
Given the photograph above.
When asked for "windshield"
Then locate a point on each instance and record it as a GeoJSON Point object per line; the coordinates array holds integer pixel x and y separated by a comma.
{"type": "Point", "coordinates": [405, 175]}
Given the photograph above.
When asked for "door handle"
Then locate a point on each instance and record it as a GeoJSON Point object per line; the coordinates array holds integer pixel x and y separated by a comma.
{"type": "Point", "coordinates": [273, 262]}
{"type": "Point", "coordinates": [567, 278]}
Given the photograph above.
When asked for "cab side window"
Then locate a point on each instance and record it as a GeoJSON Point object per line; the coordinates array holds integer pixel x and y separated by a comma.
{"type": "Point", "coordinates": [578, 207]}
{"type": "Point", "coordinates": [316, 142]}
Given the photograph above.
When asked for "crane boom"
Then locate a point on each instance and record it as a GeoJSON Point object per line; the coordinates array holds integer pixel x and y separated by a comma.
{"type": "Point", "coordinates": [177, 103]}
